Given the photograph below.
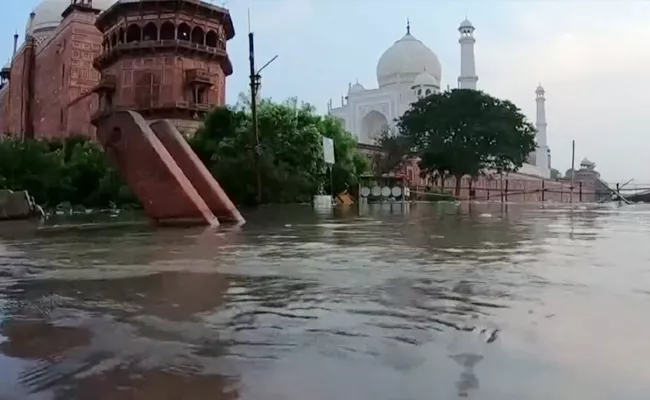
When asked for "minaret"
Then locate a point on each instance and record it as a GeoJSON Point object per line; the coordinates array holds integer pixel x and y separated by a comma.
{"type": "Point", "coordinates": [468, 77]}
{"type": "Point", "coordinates": [542, 152]}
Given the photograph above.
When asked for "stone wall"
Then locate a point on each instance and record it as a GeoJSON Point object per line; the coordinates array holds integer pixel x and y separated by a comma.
{"type": "Point", "coordinates": [63, 72]}
{"type": "Point", "coordinates": [166, 71]}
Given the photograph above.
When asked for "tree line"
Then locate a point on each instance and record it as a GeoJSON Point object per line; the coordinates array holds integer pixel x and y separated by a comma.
{"type": "Point", "coordinates": [74, 170]}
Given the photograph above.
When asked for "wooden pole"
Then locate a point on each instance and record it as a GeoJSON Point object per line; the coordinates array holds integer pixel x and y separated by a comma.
{"type": "Point", "coordinates": [573, 170]}
{"type": "Point", "coordinates": [543, 190]}
{"type": "Point", "coordinates": [507, 181]}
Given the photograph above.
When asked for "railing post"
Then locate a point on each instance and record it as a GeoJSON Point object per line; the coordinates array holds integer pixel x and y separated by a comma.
{"type": "Point", "coordinates": [507, 181]}
{"type": "Point", "coordinates": [543, 190]}
{"type": "Point", "coordinates": [580, 192]}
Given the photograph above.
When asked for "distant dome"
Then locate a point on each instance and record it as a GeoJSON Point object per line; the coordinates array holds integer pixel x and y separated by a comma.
{"type": "Point", "coordinates": [540, 89]}
{"type": "Point", "coordinates": [425, 79]}
{"type": "Point", "coordinates": [405, 60]}
{"type": "Point", "coordinates": [466, 24]}
{"type": "Point", "coordinates": [586, 163]}
{"type": "Point", "coordinates": [48, 14]}
{"type": "Point", "coordinates": [356, 88]}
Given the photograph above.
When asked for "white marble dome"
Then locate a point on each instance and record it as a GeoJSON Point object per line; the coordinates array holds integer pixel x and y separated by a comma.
{"type": "Point", "coordinates": [47, 14]}
{"type": "Point", "coordinates": [466, 24]}
{"type": "Point", "coordinates": [405, 60]}
{"type": "Point", "coordinates": [356, 88]}
{"type": "Point", "coordinates": [425, 79]}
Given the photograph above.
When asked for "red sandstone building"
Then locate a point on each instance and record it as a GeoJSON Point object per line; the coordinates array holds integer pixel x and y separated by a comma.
{"type": "Point", "coordinates": [162, 58]}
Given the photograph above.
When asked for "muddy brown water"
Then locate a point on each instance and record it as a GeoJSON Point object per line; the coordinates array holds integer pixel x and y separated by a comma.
{"type": "Point", "coordinates": [480, 301]}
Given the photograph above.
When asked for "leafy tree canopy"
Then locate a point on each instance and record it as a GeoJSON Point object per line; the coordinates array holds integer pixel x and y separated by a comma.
{"type": "Point", "coordinates": [395, 150]}
{"type": "Point", "coordinates": [72, 170]}
{"type": "Point", "coordinates": [466, 132]}
{"type": "Point", "coordinates": [291, 162]}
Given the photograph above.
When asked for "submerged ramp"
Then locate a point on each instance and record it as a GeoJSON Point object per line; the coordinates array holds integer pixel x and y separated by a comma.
{"type": "Point", "coordinates": [208, 188]}
{"type": "Point", "coordinates": [158, 166]}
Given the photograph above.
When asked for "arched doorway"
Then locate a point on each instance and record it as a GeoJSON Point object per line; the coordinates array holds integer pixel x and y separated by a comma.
{"type": "Point", "coordinates": [372, 126]}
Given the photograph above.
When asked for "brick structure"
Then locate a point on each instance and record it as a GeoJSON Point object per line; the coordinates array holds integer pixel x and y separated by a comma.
{"type": "Point", "coordinates": [168, 59]}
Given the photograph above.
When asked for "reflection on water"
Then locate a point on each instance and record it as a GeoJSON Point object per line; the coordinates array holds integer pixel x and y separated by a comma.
{"type": "Point", "coordinates": [416, 302]}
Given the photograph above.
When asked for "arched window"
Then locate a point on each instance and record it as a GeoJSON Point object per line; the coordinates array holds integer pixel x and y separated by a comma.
{"type": "Point", "coordinates": [120, 36]}
{"type": "Point", "coordinates": [167, 31]}
{"type": "Point", "coordinates": [427, 92]}
{"type": "Point", "coordinates": [197, 35]}
{"type": "Point", "coordinates": [184, 32]}
{"type": "Point", "coordinates": [150, 32]}
{"type": "Point", "coordinates": [211, 39]}
{"type": "Point", "coordinates": [133, 33]}
{"type": "Point", "coordinates": [113, 39]}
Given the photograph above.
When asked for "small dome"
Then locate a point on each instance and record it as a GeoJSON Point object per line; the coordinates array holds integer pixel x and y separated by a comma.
{"type": "Point", "coordinates": [406, 59]}
{"type": "Point", "coordinates": [466, 24]}
{"type": "Point", "coordinates": [425, 79]}
{"type": "Point", "coordinates": [356, 88]}
{"type": "Point", "coordinates": [586, 163]}
{"type": "Point", "coordinates": [47, 14]}
{"type": "Point", "coordinates": [540, 89]}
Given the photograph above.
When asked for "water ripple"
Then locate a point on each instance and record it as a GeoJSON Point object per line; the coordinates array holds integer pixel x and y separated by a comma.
{"type": "Point", "coordinates": [475, 300]}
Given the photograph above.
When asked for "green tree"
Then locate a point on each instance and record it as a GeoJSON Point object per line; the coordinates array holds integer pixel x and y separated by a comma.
{"type": "Point", "coordinates": [72, 170]}
{"type": "Point", "coordinates": [466, 132]}
{"type": "Point", "coordinates": [290, 154]}
{"type": "Point", "coordinates": [394, 152]}
{"type": "Point", "coordinates": [555, 174]}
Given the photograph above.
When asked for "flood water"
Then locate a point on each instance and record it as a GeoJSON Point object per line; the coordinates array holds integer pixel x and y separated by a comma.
{"type": "Point", "coordinates": [440, 302]}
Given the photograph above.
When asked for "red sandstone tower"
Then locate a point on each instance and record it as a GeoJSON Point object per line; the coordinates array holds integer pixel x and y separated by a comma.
{"type": "Point", "coordinates": [165, 58]}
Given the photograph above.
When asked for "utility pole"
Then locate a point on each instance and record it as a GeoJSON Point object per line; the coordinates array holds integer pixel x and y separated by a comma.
{"type": "Point", "coordinates": [255, 81]}
{"type": "Point", "coordinates": [254, 84]}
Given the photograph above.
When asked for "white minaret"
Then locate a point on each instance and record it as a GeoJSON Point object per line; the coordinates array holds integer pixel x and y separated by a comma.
{"type": "Point", "coordinates": [542, 160]}
{"type": "Point", "coordinates": [468, 77]}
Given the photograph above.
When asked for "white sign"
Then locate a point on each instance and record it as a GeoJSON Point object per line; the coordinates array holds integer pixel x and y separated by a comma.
{"type": "Point", "coordinates": [328, 150]}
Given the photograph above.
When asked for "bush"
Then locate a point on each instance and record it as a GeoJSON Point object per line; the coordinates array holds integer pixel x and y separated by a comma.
{"type": "Point", "coordinates": [72, 170]}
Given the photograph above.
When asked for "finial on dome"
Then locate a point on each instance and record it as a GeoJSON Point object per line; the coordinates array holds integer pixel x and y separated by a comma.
{"type": "Point", "coordinates": [408, 26]}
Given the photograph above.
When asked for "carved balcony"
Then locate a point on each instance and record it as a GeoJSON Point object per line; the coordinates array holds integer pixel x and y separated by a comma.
{"type": "Point", "coordinates": [198, 76]}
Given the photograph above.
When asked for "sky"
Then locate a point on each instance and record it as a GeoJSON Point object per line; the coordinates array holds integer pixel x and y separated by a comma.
{"type": "Point", "coordinates": [591, 56]}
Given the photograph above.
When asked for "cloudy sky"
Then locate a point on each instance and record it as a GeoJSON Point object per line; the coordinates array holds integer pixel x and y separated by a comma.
{"type": "Point", "coordinates": [591, 56]}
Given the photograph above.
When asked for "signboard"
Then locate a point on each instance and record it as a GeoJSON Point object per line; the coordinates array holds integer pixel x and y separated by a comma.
{"type": "Point", "coordinates": [328, 150]}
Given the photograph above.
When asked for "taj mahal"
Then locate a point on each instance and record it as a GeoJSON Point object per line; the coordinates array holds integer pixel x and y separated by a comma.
{"type": "Point", "coordinates": [409, 70]}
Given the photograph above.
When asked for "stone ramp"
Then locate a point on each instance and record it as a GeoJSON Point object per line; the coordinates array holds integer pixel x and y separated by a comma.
{"type": "Point", "coordinates": [208, 188]}
{"type": "Point", "coordinates": [157, 173]}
